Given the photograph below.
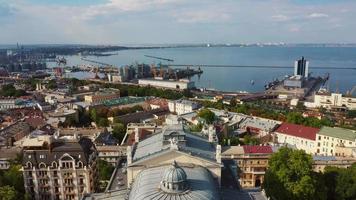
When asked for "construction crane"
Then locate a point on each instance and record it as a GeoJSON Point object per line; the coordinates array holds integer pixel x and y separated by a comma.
{"type": "Point", "coordinates": [160, 58]}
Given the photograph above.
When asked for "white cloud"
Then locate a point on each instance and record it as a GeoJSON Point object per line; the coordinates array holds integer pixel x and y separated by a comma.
{"type": "Point", "coordinates": [120, 6]}
{"type": "Point", "coordinates": [280, 18]}
{"type": "Point", "coordinates": [201, 17]}
{"type": "Point", "coordinates": [317, 15]}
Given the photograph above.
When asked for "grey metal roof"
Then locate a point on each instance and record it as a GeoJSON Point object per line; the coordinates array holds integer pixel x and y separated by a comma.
{"type": "Point", "coordinates": [193, 144]}
{"type": "Point", "coordinates": [202, 186]}
{"type": "Point", "coordinates": [80, 151]}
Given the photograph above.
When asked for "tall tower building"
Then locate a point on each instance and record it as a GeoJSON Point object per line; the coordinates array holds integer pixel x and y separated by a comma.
{"type": "Point", "coordinates": [301, 68]}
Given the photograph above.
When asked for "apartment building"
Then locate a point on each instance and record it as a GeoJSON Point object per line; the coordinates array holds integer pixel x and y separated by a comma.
{"type": "Point", "coordinates": [301, 137]}
{"type": "Point", "coordinates": [59, 168]}
{"type": "Point", "coordinates": [182, 106]}
{"type": "Point", "coordinates": [333, 100]}
{"type": "Point", "coordinates": [102, 96]}
{"type": "Point", "coordinates": [328, 138]}
{"type": "Point", "coordinates": [251, 163]}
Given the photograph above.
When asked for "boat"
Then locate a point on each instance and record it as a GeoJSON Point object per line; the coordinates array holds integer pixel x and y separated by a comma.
{"type": "Point", "coordinates": [252, 82]}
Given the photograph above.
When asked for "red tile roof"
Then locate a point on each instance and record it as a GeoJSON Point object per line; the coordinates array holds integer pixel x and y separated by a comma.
{"type": "Point", "coordinates": [298, 131]}
{"type": "Point", "coordinates": [257, 149]}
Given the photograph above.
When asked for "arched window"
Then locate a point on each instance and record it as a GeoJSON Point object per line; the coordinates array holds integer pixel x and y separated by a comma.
{"type": "Point", "coordinates": [29, 164]}
{"type": "Point", "coordinates": [54, 164]}
{"type": "Point", "coordinates": [80, 164]}
{"type": "Point", "coordinates": [42, 165]}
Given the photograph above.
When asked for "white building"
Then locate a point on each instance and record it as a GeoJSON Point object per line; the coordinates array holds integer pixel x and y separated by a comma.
{"type": "Point", "coordinates": [328, 138]}
{"type": "Point", "coordinates": [181, 84]}
{"type": "Point", "coordinates": [301, 137]}
{"type": "Point", "coordinates": [182, 106]}
{"type": "Point", "coordinates": [333, 100]}
{"type": "Point", "coordinates": [11, 103]}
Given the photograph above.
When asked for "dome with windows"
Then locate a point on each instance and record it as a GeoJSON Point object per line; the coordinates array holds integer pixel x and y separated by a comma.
{"type": "Point", "coordinates": [174, 179]}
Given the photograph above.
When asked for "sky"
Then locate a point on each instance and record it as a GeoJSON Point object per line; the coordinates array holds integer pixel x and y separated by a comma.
{"type": "Point", "coordinates": [176, 21]}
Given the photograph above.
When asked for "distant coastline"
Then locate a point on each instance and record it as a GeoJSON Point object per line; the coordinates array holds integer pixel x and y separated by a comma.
{"type": "Point", "coordinates": [182, 45]}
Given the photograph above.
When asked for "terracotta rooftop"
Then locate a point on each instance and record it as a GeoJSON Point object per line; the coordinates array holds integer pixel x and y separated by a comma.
{"type": "Point", "coordinates": [298, 131]}
{"type": "Point", "coordinates": [249, 149]}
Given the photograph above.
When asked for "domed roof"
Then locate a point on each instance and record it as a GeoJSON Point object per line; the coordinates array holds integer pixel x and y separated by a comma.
{"type": "Point", "coordinates": [174, 179]}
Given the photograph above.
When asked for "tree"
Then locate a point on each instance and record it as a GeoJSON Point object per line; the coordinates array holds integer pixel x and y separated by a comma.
{"type": "Point", "coordinates": [341, 183]}
{"type": "Point", "coordinates": [187, 93]}
{"type": "Point", "coordinates": [52, 84]}
{"type": "Point", "coordinates": [8, 193]}
{"type": "Point", "coordinates": [196, 128]}
{"type": "Point", "coordinates": [295, 118]}
{"type": "Point", "coordinates": [249, 140]}
{"type": "Point", "coordinates": [207, 115]}
{"type": "Point", "coordinates": [119, 131]}
{"type": "Point", "coordinates": [351, 114]}
{"type": "Point", "coordinates": [233, 102]}
{"type": "Point", "coordinates": [290, 176]}
{"type": "Point", "coordinates": [105, 170]}
{"type": "Point", "coordinates": [10, 90]}
{"type": "Point", "coordinates": [103, 122]}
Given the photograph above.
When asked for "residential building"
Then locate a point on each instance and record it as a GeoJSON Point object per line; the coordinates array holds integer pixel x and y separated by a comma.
{"type": "Point", "coordinates": [321, 162]}
{"type": "Point", "coordinates": [7, 155]}
{"type": "Point", "coordinates": [55, 168]}
{"type": "Point", "coordinates": [258, 125]}
{"type": "Point", "coordinates": [13, 133]}
{"type": "Point", "coordinates": [180, 85]}
{"type": "Point", "coordinates": [333, 100]}
{"type": "Point", "coordinates": [102, 96]}
{"type": "Point", "coordinates": [111, 153]}
{"type": "Point", "coordinates": [302, 137]}
{"type": "Point", "coordinates": [341, 151]}
{"type": "Point", "coordinates": [7, 103]}
{"type": "Point", "coordinates": [328, 138]}
{"type": "Point", "coordinates": [251, 163]}
{"type": "Point", "coordinates": [138, 131]}
{"type": "Point", "coordinates": [182, 106]}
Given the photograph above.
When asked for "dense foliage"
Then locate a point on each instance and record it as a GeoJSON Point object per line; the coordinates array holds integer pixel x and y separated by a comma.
{"type": "Point", "coordinates": [11, 184]}
{"type": "Point", "coordinates": [351, 114]}
{"type": "Point", "coordinates": [52, 84]}
{"type": "Point", "coordinates": [290, 176]}
{"type": "Point", "coordinates": [207, 115]}
{"type": "Point", "coordinates": [297, 118]}
{"type": "Point", "coordinates": [105, 170]}
{"type": "Point", "coordinates": [11, 91]}
{"type": "Point", "coordinates": [132, 90]}
{"type": "Point", "coordinates": [340, 183]}
{"type": "Point", "coordinates": [119, 131]}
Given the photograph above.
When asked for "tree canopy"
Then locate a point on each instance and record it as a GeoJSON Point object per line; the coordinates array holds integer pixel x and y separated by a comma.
{"type": "Point", "coordinates": [340, 183]}
{"type": "Point", "coordinates": [290, 176]}
{"type": "Point", "coordinates": [10, 91]}
{"type": "Point", "coordinates": [119, 131]}
{"type": "Point", "coordinates": [207, 115]}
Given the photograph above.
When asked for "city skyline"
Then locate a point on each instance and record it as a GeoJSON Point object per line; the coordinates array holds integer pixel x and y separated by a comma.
{"type": "Point", "coordinates": [176, 21]}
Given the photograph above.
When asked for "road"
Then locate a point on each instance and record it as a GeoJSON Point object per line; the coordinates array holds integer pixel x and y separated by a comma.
{"type": "Point", "coordinates": [233, 194]}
